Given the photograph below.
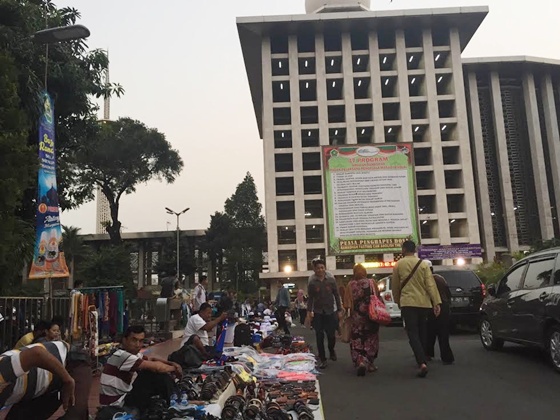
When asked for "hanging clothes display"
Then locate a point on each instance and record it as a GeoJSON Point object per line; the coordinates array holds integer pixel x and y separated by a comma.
{"type": "Point", "coordinates": [95, 313]}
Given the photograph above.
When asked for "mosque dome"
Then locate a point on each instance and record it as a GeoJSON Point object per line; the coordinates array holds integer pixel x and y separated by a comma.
{"type": "Point", "coordinates": [312, 6]}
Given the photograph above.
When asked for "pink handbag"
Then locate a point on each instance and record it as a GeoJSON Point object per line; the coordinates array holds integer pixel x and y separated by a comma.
{"type": "Point", "coordinates": [377, 310]}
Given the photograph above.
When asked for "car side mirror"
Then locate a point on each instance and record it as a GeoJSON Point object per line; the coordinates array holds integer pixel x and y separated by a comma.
{"type": "Point", "coordinates": [492, 290]}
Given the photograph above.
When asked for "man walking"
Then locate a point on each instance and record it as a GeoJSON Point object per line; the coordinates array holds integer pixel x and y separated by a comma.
{"type": "Point", "coordinates": [282, 303]}
{"type": "Point", "coordinates": [415, 291]}
{"type": "Point", "coordinates": [438, 328]}
{"type": "Point", "coordinates": [322, 291]}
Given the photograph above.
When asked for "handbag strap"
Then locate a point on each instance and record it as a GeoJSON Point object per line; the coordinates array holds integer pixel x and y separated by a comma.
{"type": "Point", "coordinates": [405, 282]}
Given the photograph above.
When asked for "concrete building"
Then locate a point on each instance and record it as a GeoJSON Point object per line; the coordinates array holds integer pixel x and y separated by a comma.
{"type": "Point", "coordinates": [342, 74]}
{"type": "Point", "coordinates": [514, 108]}
{"type": "Point", "coordinates": [103, 210]}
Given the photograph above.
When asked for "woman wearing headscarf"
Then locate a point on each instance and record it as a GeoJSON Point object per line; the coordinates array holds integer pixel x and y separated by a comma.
{"type": "Point", "coordinates": [364, 339]}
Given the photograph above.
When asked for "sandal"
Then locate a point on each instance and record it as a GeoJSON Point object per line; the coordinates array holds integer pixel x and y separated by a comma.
{"type": "Point", "coordinates": [372, 368]}
{"type": "Point", "coordinates": [423, 371]}
{"type": "Point", "coordinates": [361, 371]}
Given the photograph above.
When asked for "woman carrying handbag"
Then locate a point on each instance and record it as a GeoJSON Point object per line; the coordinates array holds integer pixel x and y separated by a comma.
{"type": "Point", "coordinates": [363, 332]}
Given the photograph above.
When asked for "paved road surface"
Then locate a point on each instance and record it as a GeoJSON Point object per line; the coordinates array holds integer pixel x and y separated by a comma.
{"type": "Point", "coordinates": [516, 383]}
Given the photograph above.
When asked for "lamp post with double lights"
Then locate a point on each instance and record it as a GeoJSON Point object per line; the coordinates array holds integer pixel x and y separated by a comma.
{"type": "Point", "coordinates": [169, 211]}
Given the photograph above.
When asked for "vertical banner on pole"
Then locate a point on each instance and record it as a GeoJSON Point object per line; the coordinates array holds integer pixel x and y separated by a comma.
{"type": "Point", "coordinates": [48, 258]}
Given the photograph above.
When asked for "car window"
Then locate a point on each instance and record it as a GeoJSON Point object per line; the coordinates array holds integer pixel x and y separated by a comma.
{"type": "Point", "coordinates": [464, 279]}
{"type": "Point", "coordinates": [384, 284]}
{"type": "Point", "coordinates": [538, 274]}
{"type": "Point", "coordinates": [512, 280]}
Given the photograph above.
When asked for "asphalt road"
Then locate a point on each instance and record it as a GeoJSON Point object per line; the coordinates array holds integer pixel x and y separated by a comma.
{"type": "Point", "coordinates": [515, 383]}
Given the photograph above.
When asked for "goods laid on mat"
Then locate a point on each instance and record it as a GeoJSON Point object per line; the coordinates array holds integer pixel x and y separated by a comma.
{"type": "Point", "coordinates": [251, 385]}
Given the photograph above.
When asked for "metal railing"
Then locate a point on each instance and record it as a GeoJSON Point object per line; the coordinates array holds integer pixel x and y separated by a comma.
{"type": "Point", "coordinates": [21, 313]}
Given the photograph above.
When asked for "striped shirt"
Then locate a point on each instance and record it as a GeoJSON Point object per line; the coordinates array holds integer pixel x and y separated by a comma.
{"type": "Point", "coordinates": [118, 375]}
{"type": "Point", "coordinates": [17, 385]}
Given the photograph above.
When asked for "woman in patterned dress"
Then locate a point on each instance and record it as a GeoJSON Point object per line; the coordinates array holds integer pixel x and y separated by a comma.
{"type": "Point", "coordinates": [364, 340]}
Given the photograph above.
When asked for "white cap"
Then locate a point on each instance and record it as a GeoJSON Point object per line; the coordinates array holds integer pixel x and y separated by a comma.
{"type": "Point", "coordinates": [428, 263]}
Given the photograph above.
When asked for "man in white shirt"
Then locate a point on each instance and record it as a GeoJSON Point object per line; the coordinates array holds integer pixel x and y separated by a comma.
{"type": "Point", "coordinates": [200, 293]}
{"type": "Point", "coordinates": [196, 331]}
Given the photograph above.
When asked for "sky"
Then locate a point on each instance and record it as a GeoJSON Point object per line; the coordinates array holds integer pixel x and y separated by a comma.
{"type": "Point", "coordinates": [182, 69]}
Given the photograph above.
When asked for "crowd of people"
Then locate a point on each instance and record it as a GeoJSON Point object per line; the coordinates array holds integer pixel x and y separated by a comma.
{"type": "Point", "coordinates": [43, 372]}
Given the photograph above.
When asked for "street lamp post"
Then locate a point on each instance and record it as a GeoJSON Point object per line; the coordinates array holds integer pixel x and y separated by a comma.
{"type": "Point", "coordinates": [46, 37]}
{"type": "Point", "coordinates": [169, 211]}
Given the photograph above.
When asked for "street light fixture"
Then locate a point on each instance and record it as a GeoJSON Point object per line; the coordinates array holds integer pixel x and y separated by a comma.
{"type": "Point", "coordinates": [61, 34]}
{"type": "Point", "coordinates": [169, 211]}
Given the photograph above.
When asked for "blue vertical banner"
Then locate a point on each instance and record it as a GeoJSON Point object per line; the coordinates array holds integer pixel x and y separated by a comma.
{"type": "Point", "coordinates": [48, 258]}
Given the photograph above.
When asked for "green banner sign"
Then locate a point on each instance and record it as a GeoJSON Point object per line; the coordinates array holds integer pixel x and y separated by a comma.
{"type": "Point", "coordinates": [370, 197]}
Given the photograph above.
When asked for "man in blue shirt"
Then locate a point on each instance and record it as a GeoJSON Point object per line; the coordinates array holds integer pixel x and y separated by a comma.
{"type": "Point", "coordinates": [282, 303]}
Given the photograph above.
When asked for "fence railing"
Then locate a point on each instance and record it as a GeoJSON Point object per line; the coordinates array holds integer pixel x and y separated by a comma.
{"type": "Point", "coordinates": [21, 313]}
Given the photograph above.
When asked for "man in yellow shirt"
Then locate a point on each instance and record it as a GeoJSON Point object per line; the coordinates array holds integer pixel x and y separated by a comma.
{"type": "Point", "coordinates": [39, 331]}
{"type": "Point", "coordinates": [415, 291]}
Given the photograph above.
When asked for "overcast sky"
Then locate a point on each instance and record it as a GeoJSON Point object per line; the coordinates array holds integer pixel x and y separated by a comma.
{"type": "Point", "coordinates": [181, 65]}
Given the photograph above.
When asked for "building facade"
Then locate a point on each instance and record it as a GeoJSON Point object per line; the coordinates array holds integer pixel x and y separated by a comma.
{"type": "Point", "coordinates": [366, 77]}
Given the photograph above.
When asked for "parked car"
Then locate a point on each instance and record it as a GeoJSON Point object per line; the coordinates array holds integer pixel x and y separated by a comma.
{"type": "Point", "coordinates": [384, 287]}
{"type": "Point", "coordinates": [524, 306]}
{"type": "Point", "coordinates": [467, 295]}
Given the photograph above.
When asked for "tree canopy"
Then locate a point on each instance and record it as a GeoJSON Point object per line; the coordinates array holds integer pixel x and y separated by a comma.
{"type": "Point", "coordinates": [236, 238]}
{"type": "Point", "coordinates": [116, 158]}
{"type": "Point", "coordinates": [75, 78]}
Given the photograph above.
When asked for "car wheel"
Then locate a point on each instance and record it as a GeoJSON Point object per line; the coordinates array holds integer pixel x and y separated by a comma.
{"type": "Point", "coordinates": [554, 347]}
{"type": "Point", "coordinates": [489, 341]}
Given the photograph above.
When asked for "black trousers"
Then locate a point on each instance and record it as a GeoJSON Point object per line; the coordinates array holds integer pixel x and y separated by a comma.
{"type": "Point", "coordinates": [302, 316]}
{"type": "Point", "coordinates": [325, 324]}
{"type": "Point", "coordinates": [147, 385]}
{"type": "Point", "coordinates": [281, 318]}
{"type": "Point", "coordinates": [438, 328]}
{"type": "Point", "coordinates": [415, 323]}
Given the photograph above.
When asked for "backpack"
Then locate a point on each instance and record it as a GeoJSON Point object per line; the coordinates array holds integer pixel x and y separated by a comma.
{"type": "Point", "coordinates": [187, 357]}
{"type": "Point", "coordinates": [242, 335]}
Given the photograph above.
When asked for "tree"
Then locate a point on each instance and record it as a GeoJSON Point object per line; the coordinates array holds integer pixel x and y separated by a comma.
{"type": "Point", "coordinates": [117, 157]}
{"type": "Point", "coordinates": [75, 77]}
{"type": "Point", "coordinates": [74, 248]}
{"type": "Point", "coordinates": [238, 237]}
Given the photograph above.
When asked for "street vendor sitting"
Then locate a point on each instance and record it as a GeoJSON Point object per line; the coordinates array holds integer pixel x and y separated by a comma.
{"type": "Point", "coordinates": [130, 379]}
{"type": "Point", "coordinates": [196, 331]}
{"type": "Point", "coordinates": [32, 377]}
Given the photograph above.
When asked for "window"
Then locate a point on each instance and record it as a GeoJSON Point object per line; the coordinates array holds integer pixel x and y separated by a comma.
{"type": "Point", "coordinates": [311, 161]}
{"type": "Point", "coordinates": [314, 234]}
{"type": "Point", "coordinates": [285, 210]}
{"type": "Point", "coordinates": [286, 235]}
{"type": "Point", "coordinates": [314, 209]}
{"type": "Point", "coordinates": [538, 274]}
{"type": "Point", "coordinates": [511, 282]}
{"type": "Point", "coordinates": [285, 186]}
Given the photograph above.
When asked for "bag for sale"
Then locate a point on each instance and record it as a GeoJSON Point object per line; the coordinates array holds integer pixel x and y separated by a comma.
{"type": "Point", "coordinates": [243, 336]}
{"type": "Point", "coordinates": [346, 330]}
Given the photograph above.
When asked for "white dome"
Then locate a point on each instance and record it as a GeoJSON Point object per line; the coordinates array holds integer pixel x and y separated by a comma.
{"type": "Point", "coordinates": [314, 5]}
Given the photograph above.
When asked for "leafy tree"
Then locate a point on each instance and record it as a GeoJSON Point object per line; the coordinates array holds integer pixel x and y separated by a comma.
{"type": "Point", "coordinates": [491, 272]}
{"type": "Point", "coordinates": [542, 245]}
{"type": "Point", "coordinates": [238, 237]}
{"type": "Point", "coordinates": [117, 157]}
{"type": "Point", "coordinates": [168, 259]}
{"type": "Point", "coordinates": [74, 248]}
{"type": "Point", "coordinates": [75, 77]}
{"type": "Point", "coordinates": [109, 266]}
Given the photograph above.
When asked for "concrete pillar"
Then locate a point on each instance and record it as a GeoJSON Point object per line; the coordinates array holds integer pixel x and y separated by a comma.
{"type": "Point", "coordinates": [503, 163]}
{"type": "Point", "coordinates": [435, 136]}
{"type": "Point", "coordinates": [537, 156]}
{"type": "Point", "coordinates": [553, 137]}
{"type": "Point", "coordinates": [349, 106]}
{"type": "Point", "coordinates": [404, 97]}
{"type": "Point", "coordinates": [297, 154]}
{"type": "Point", "coordinates": [375, 89]}
{"type": "Point", "coordinates": [320, 73]}
{"type": "Point", "coordinates": [463, 132]}
{"type": "Point", "coordinates": [268, 153]}
{"type": "Point", "coordinates": [480, 165]}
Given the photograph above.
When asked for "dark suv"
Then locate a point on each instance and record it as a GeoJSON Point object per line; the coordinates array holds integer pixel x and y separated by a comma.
{"type": "Point", "coordinates": [524, 306]}
{"type": "Point", "coordinates": [467, 295]}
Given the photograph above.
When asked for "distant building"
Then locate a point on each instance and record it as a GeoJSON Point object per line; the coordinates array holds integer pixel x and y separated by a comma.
{"type": "Point", "coordinates": [485, 131]}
